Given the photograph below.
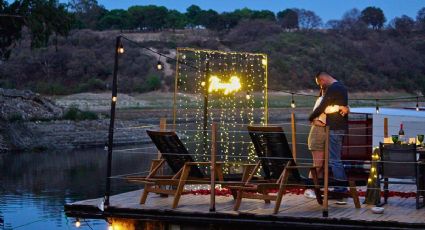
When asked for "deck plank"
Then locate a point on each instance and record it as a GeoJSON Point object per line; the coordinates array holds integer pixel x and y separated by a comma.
{"type": "Point", "coordinates": [398, 209]}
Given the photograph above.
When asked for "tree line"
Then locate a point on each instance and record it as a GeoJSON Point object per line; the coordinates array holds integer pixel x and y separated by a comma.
{"type": "Point", "coordinates": [45, 18]}
{"type": "Point", "coordinates": [362, 48]}
{"type": "Point", "coordinates": [89, 14]}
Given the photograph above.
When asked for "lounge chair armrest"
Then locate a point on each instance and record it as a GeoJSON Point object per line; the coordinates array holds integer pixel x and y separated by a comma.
{"type": "Point", "coordinates": [197, 163]}
{"type": "Point", "coordinates": [249, 171]}
{"type": "Point", "coordinates": [303, 167]}
{"type": "Point", "coordinates": [203, 163]}
{"type": "Point", "coordinates": [156, 164]}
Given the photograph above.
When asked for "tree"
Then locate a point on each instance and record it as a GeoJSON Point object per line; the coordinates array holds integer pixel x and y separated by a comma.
{"type": "Point", "coordinates": [420, 19]}
{"type": "Point", "coordinates": [87, 13]}
{"type": "Point", "coordinates": [350, 24]}
{"type": "Point", "coordinates": [137, 15]}
{"type": "Point", "coordinates": [263, 14]}
{"type": "Point", "coordinates": [211, 20]}
{"type": "Point", "coordinates": [350, 20]}
{"type": "Point", "coordinates": [288, 19]}
{"type": "Point", "coordinates": [243, 13]}
{"type": "Point", "coordinates": [42, 17]}
{"type": "Point", "coordinates": [229, 20]}
{"type": "Point", "coordinates": [193, 14]}
{"type": "Point", "coordinates": [175, 20]}
{"type": "Point", "coordinates": [308, 20]}
{"type": "Point", "coordinates": [11, 23]}
{"type": "Point", "coordinates": [403, 25]}
{"type": "Point", "coordinates": [156, 16]}
{"type": "Point", "coordinates": [116, 19]}
{"type": "Point", "coordinates": [374, 17]}
{"type": "Point", "coordinates": [149, 17]}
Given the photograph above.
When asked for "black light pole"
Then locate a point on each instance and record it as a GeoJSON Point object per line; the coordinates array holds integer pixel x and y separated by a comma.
{"type": "Point", "coordinates": [119, 49]}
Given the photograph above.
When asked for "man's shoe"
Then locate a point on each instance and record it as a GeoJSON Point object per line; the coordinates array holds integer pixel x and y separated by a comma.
{"type": "Point", "coordinates": [342, 201]}
{"type": "Point", "coordinates": [309, 194]}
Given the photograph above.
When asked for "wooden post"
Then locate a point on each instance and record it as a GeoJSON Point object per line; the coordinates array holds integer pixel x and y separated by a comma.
{"type": "Point", "coordinates": [213, 165]}
{"type": "Point", "coordinates": [385, 127]}
{"type": "Point", "coordinates": [176, 88]}
{"type": "Point", "coordinates": [294, 136]}
{"type": "Point", "coordinates": [326, 175]}
{"type": "Point", "coordinates": [162, 127]}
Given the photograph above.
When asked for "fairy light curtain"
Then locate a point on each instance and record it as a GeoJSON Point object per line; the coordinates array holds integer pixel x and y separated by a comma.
{"type": "Point", "coordinates": [229, 88]}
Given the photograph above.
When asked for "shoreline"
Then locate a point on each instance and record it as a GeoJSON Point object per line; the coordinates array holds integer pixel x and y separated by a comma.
{"type": "Point", "coordinates": [31, 122]}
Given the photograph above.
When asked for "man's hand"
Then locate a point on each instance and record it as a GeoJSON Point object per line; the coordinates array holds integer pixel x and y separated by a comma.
{"type": "Point", "coordinates": [344, 110]}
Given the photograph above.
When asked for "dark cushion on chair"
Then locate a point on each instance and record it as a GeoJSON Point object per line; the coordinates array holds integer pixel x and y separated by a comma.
{"type": "Point", "coordinates": [173, 151]}
{"type": "Point", "coordinates": [271, 146]}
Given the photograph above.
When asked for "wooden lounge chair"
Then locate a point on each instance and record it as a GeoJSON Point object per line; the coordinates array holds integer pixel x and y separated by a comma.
{"type": "Point", "coordinates": [185, 169]}
{"type": "Point", "coordinates": [279, 168]}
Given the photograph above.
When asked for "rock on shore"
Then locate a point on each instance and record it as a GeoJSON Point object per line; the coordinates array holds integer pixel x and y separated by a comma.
{"type": "Point", "coordinates": [29, 121]}
{"type": "Point", "coordinates": [26, 105]}
{"type": "Point", "coordinates": [18, 105]}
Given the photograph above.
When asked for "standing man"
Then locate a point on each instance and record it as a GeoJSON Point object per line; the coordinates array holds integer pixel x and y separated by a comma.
{"type": "Point", "coordinates": [336, 94]}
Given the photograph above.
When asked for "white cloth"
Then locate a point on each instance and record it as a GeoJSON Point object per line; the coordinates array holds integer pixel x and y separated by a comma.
{"type": "Point", "coordinates": [330, 109]}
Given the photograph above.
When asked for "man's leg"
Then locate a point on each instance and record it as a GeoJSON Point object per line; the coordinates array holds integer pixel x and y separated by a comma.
{"type": "Point", "coordinates": [335, 147]}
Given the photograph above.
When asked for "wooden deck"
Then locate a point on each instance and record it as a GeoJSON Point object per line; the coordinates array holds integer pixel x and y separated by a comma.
{"type": "Point", "coordinates": [295, 211]}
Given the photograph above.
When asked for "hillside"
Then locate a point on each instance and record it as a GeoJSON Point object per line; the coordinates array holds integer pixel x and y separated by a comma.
{"type": "Point", "coordinates": [83, 61]}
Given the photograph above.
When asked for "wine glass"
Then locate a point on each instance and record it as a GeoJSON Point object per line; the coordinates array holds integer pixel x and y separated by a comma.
{"type": "Point", "coordinates": [394, 138]}
{"type": "Point", "coordinates": [420, 139]}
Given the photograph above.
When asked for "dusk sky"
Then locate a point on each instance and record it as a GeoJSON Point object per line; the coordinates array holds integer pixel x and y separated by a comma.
{"type": "Point", "coordinates": [326, 9]}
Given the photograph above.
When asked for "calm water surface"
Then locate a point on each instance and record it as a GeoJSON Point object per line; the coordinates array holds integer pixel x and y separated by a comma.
{"type": "Point", "coordinates": [35, 186]}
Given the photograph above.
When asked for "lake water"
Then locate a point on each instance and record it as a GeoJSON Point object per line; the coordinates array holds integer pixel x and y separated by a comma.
{"type": "Point", "coordinates": [35, 186]}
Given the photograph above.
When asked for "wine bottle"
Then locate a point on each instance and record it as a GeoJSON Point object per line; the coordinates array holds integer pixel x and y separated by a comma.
{"type": "Point", "coordinates": [401, 137]}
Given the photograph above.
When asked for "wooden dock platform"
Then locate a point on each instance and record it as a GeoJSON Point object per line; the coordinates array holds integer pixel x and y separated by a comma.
{"type": "Point", "coordinates": [295, 211]}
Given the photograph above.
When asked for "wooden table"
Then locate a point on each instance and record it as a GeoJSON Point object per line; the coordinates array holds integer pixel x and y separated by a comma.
{"type": "Point", "coordinates": [376, 196]}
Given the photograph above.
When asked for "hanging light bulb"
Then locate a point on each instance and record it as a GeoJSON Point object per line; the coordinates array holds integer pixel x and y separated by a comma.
{"type": "Point", "coordinates": [159, 65]}
{"type": "Point", "coordinates": [377, 107]}
{"type": "Point", "coordinates": [417, 104]}
{"type": "Point", "coordinates": [77, 223]}
{"type": "Point", "coordinates": [293, 101]}
{"type": "Point", "coordinates": [248, 95]}
{"type": "Point", "coordinates": [121, 48]}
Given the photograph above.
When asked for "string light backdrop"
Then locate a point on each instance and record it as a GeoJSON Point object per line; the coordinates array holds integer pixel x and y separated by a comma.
{"type": "Point", "coordinates": [229, 88]}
